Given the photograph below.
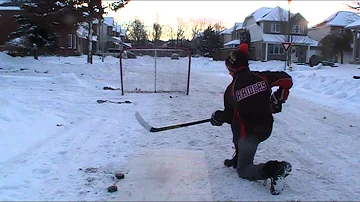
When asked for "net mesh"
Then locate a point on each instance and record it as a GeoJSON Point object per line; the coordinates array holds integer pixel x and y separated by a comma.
{"type": "Point", "coordinates": [155, 70]}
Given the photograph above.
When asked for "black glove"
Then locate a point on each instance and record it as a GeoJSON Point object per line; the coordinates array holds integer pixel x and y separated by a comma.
{"type": "Point", "coordinates": [217, 118]}
{"type": "Point", "coordinates": [276, 103]}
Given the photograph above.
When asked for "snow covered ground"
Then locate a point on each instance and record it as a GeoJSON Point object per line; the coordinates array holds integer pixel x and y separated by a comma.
{"type": "Point", "coordinates": [58, 143]}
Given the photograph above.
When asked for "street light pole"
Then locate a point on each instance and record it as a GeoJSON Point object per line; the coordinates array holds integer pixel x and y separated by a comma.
{"type": "Point", "coordinates": [102, 39]}
{"type": "Point", "coordinates": [289, 39]}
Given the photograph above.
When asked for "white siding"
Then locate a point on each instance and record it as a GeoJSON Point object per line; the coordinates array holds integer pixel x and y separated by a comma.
{"type": "Point", "coordinates": [254, 29]}
{"type": "Point", "coordinates": [347, 57]}
{"type": "Point", "coordinates": [318, 33]}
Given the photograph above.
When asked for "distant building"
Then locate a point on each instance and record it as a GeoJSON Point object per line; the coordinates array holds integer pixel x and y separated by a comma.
{"type": "Point", "coordinates": [335, 23]}
{"type": "Point", "coordinates": [268, 28]}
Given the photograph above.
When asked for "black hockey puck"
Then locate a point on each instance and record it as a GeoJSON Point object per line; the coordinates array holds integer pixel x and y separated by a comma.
{"type": "Point", "coordinates": [112, 188]}
{"type": "Point", "coordinates": [119, 175]}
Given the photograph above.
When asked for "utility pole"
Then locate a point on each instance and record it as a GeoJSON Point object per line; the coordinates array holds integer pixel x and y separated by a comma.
{"type": "Point", "coordinates": [289, 39]}
{"type": "Point", "coordinates": [102, 39]}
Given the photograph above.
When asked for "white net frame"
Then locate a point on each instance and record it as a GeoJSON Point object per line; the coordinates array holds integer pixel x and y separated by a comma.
{"type": "Point", "coordinates": [187, 52]}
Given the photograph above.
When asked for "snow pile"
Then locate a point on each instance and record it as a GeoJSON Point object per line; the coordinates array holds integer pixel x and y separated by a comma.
{"type": "Point", "coordinates": [21, 128]}
{"type": "Point", "coordinates": [70, 78]}
{"type": "Point", "coordinates": [9, 8]}
{"type": "Point", "coordinates": [330, 86]}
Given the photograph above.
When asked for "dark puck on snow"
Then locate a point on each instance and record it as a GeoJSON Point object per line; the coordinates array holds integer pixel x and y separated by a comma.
{"type": "Point", "coordinates": [119, 175]}
{"type": "Point", "coordinates": [112, 188]}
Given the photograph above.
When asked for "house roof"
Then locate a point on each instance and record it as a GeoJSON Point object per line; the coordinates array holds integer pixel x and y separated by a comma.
{"type": "Point", "coordinates": [340, 18]}
{"type": "Point", "coordinates": [109, 21]}
{"type": "Point", "coordinates": [123, 32]}
{"type": "Point", "coordinates": [296, 39]}
{"type": "Point", "coordinates": [237, 26]}
{"type": "Point", "coordinates": [270, 14]}
{"type": "Point", "coordinates": [117, 28]}
{"type": "Point", "coordinates": [233, 42]}
{"type": "Point", "coordinates": [10, 8]}
{"type": "Point", "coordinates": [4, 1]}
{"type": "Point", "coordinates": [227, 31]}
{"type": "Point", "coordinates": [353, 25]}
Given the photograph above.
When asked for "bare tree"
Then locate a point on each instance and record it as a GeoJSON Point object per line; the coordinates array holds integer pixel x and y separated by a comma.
{"type": "Point", "coordinates": [195, 27]}
{"type": "Point", "coordinates": [198, 25]}
{"type": "Point", "coordinates": [180, 32]}
{"type": "Point", "coordinates": [354, 5]}
{"type": "Point", "coordinates": [126, 26]}
{"type": "Point", "coordinates": [170, 32]}
{"type": "Point", "coordinates": [219, 26]}
{"type": "Point", "coordinates": [204, 24]}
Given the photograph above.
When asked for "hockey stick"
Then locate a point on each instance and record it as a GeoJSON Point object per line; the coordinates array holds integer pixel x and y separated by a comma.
{"type": "Point", "coordinates": [153, 129]}
{"type": "Point", "coordinates": [109, 101]}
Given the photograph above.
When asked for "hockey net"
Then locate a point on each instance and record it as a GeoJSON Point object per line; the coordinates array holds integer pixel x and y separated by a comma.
{"type": "Point", "coordinates": [155, 70]}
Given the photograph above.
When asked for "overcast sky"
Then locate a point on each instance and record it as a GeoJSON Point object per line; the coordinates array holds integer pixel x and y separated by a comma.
{"type": "Point", "coordinates": [228, 12]}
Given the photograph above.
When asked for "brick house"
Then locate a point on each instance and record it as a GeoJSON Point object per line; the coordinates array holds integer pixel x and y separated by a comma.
{"type": "Point", "coordinates": [8, 22]}
{"type": "Point", "coordinates": [72, 39]}
{"type": "Point", "coordinates": [68, 40]}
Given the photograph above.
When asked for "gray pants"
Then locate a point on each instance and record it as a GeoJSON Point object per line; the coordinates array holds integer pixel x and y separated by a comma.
{"type": "Point", "coordinates": [245, 164]}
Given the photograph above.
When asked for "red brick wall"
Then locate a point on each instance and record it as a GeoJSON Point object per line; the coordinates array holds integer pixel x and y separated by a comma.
{"type": "Point", "coordinates": [7, 24]}
{"type": "Point", "coordinates": [68, 46]}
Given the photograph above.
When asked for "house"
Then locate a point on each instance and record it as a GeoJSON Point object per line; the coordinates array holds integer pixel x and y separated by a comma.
{"type": "Point", "coordinates": [68, 35]}
{"type": "Point", "coordinates": [235, 34]}
{"type": "Point", "coordinates": [230, 38]}
{"type": "Point", "coordinates": [111, 35]}
{"type": "Point", "coordinates": [225, 35]}
{"type": "Point", "coordinates": [8, 22]}
{"type": "Point", "coordinates": [268, 29]}
{"type": "Point", "coordinates": [335, 23]}
{"type": "Point", "coordinates": [68, 40]}
{"type": "Point", "coordinates": [82, 34]}
{"type": "Point", "coordinates": [355, 27]}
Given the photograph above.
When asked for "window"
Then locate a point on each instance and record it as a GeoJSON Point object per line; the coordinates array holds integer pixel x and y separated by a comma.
{"type": "Point", "coordinates": [276, 49]}
{"type": "Point", "coordinates": [275, 28]}
{"type": "Point", "coordinates": [70, 41]}
{"type": "Point", "coordinates": [342, 31]}
{"type": "Point", "coordinates": [75, 41]}
{"type": "Point", "coordinates": [297, 29]}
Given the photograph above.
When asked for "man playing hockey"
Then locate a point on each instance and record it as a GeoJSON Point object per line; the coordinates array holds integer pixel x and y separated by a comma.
{"type": "Point", "coordinates": [248, 107]}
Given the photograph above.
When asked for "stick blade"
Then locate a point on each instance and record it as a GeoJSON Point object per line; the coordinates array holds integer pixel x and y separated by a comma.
{"type": "Point", "coordinates": [143, 122]}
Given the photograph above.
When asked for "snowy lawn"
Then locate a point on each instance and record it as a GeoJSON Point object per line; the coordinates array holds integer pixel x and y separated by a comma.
{"type": "Point", "coordinates": [58, 143]}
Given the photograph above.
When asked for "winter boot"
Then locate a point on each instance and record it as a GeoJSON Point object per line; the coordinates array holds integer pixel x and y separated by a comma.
{"type": "Point", "coordinates": [232, 162]}
{"type": "Point", "coordinates": [277, 171]}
